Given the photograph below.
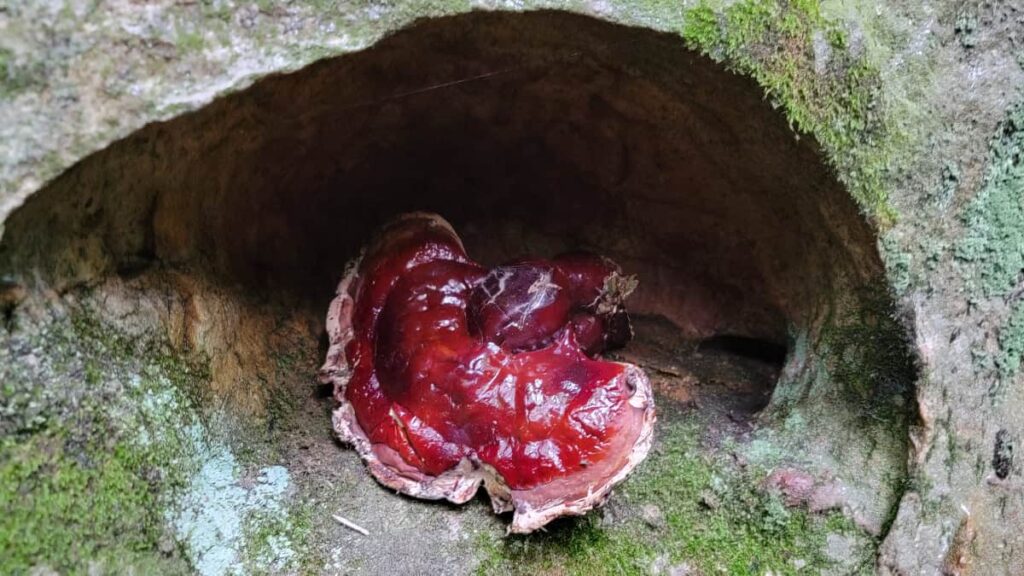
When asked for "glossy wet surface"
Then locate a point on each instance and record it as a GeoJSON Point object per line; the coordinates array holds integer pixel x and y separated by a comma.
{"type": "Point", "coordinates": [450, 361]}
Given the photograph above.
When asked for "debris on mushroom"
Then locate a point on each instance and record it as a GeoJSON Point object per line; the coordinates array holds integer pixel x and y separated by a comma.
{"type": "Point", "coordinates": [449, 376]}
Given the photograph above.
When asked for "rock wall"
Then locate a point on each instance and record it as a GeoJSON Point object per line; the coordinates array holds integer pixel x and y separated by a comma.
{"type": "Point", "coordinates": [915, 107]}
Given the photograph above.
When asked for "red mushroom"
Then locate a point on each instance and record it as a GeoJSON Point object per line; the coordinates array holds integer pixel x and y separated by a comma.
{"type": "Point", "coordinates": [448, 376]}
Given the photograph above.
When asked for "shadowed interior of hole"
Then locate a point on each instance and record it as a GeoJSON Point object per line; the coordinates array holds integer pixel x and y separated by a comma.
{"type": "Point", "coordinates": [532, 133]}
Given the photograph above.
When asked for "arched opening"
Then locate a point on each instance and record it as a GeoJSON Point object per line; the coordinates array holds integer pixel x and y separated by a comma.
{"type": "Point", "coordinates": [532, 134]}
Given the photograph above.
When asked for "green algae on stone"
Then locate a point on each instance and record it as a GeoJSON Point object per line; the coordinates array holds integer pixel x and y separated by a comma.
{"type": "Point", "coordinates": [870, 358]}
{"type": "Point", "coordinates": [861, 357]}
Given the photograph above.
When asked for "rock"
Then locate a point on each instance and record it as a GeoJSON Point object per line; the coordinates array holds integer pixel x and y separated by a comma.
{"type": "Point", "coordinates": [709, 499]}
{"type": "Point", "coordinates": [659, 565]}
{"type": "Point", "coordinates": [839, 548]}
{"type": "Point", "coordinates": [143, 151]}
{"type": "Point", "coordinates": [653, 516]}
{"type": "Point", "coordinates": [795, 486]}
{"type": "Point", "coordinates": [682, 569]}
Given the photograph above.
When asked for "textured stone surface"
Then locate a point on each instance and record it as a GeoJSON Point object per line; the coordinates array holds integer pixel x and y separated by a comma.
{"type": "Point", "coordinates": [930, 148]}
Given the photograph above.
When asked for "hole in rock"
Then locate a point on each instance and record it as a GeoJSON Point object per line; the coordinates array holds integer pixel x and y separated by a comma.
{"type": "Point", "coordinates": [533, 134]}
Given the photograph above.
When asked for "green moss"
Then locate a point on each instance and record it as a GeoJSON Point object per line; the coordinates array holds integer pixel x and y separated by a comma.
{"type": "Point", "coordinates": [86, 483]}
{"type": "Point", "coordinates": [277, 542]}
{"type": "Point", "coordinates": [716, 520]}
{"type": "Point", "coordinates": [773, 42]}
{"type": "Point", "coordinates": [993, 241]}
{"type": "Point", "coordinates": [1011, 343]}
{"type": "Point", "coordinates": [702, 29]}
{"type": "Point", "coordinates": [63, 506]}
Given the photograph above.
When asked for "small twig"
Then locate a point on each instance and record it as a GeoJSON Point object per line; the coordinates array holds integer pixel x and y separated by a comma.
{"type": "Point", "coordinates": [350, 524]}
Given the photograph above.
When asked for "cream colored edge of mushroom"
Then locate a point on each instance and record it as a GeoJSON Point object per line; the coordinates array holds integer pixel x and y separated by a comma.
{"type": "Point", "coordinates": [462, 482]}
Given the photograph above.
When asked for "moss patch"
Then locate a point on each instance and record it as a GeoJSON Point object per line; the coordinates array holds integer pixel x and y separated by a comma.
{"type": "Point", "coordinates": [69, 507]}
{"type": "Point", "coordinates": [803, 63]}
{"type": "Point", "coordinates": [711, 517]}
{"type": "Point", "coordinates": [86, 473]}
